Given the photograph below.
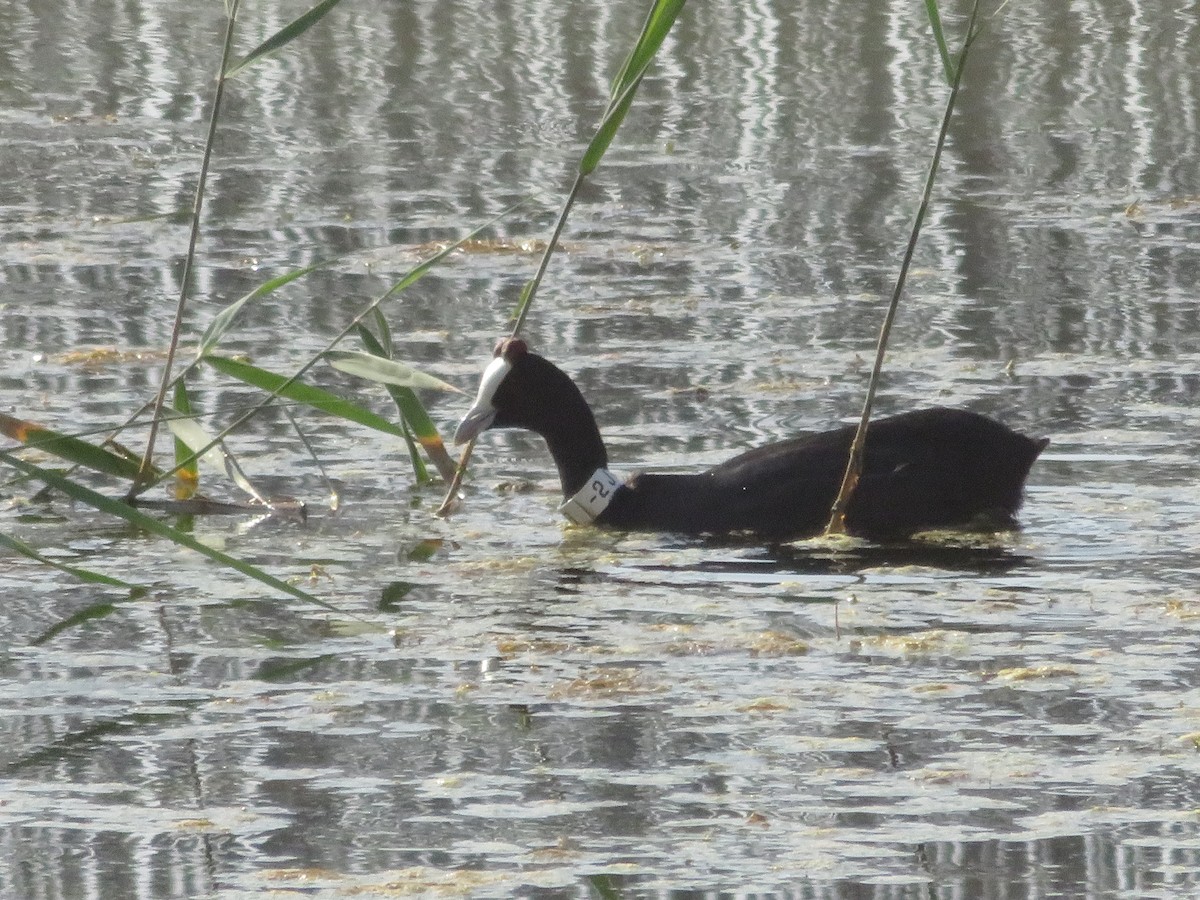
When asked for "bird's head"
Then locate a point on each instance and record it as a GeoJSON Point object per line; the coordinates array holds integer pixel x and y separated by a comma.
{"type": "Point", "coordinates": [501, 392]}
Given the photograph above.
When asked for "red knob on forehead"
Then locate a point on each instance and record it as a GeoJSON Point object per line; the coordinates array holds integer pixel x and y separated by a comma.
{"type": "Point", "coordinates": [511, 348]}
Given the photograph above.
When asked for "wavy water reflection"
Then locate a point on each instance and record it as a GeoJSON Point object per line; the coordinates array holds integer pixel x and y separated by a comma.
{"type": "Point", "coordinates": [511, 707]}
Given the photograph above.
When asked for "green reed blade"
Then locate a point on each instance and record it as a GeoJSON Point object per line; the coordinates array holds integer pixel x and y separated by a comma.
{"type": "Point", "coordinates": [199, 444]}
{"type": "Point", "coordinates": [935, 21]}
{"type": "Point", "coordinates": [385, 371]}
{"type": "Point", "coordinates": [223, 320]}
{"type": "Point", "coordinates": [413, 275]}
{"type": "Point", "coordinates": [418, 425]}
{"type": "Point", "coordinates": [147, 473]}
{"type": "Point", "coordinates": [139, 519]}
{"type": "Point", "coordinates": [187, 467]}
{"type": "Point", "coordinates": [384, 341]}
{"type": "Point", "coordinates": [658, 23]}
{"type": "Point", "coordinates": [420, 470]}
{"type": "Point", "coordinates": [72, 449]}
{"type": "Point", "coordinates": [300, 392]}
{"type": "Point", "coordinates": [284, 35]}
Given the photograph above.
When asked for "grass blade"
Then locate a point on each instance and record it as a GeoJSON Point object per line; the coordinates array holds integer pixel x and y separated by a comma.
{"type": "Point", "coordinates": [139, 519]}
{"type": "Point", "coordinates": [417, 424]}
{"type": "Point", "coordinates": [198, 444]}
{"type": "Point", "coordinates": [603, 887]}
{"type": "Point", "coordinates": [187, 467]}
{"type": "Point", "coordinates": [420, 470]}
{"type": "Point", "coordinates": [284, 35]}
{"type": "Point", "coordinates": [223, 320]}
{"type": "Point", "coordinates": [413, 275]}
{"type": "Point", "coordinates": [335, 499]}
{"type": "Point", "coordinates": [381, 346]}
{"type": "Point", "coordinates": [658, 23]}
{"type": "Point", "coordinates": [72, 449]}
{"type": "Point", "coordinates": [385, 371]}
{"type": "Point", "coordinates": [935, 21]}
{"type": "Point", "coordinates": [317, 398]}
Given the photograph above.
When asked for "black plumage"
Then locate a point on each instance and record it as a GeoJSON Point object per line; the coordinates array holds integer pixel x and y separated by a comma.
{"type": "Point", "coordinates": [934, 468]}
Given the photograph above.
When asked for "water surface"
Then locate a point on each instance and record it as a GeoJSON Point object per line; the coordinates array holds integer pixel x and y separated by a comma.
{"type": "Point", "coordinates": [505, 705]}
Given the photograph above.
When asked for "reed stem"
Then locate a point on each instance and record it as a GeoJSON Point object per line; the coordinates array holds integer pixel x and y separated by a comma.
{"type": "Point", "coordinates": [145, 476]}
{"type": "Point", "coordinates": [854, 463]}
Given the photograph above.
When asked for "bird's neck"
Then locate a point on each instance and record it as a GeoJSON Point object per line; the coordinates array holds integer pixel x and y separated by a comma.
{"type": "Point", "coordinates": [571, 434]}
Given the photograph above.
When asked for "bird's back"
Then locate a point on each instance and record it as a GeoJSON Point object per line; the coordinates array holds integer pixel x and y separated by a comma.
{"type": "Point", "coordinates": [927, 469]}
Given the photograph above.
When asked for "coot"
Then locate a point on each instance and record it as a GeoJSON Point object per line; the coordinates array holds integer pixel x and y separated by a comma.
{"type": "Point", "coordinates": [934, 468]}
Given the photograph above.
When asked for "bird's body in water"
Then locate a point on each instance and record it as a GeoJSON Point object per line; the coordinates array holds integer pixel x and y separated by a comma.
{"type": "Point", "coordinates": [929, 469]}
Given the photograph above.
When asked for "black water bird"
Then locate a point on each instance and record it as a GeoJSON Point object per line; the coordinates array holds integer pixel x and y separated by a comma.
{"type": "Point", "coordinates": [929, 469]}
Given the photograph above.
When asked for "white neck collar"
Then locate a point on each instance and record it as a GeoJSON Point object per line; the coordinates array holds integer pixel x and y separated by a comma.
{"type": "Point", "coordinates": [592, 499]}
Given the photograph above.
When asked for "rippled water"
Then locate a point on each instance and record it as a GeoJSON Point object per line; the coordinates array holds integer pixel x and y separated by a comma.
{"type": "Point", "coordinates": [505, 705]}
